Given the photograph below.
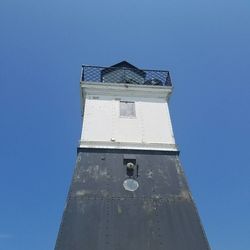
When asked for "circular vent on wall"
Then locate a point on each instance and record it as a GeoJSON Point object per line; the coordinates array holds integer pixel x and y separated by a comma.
{"type": "Point", "coordinates": [130, 185]}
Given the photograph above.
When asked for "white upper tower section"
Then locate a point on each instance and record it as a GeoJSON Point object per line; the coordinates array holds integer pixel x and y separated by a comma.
{"type": "Point", "coordinates": [124, 107]}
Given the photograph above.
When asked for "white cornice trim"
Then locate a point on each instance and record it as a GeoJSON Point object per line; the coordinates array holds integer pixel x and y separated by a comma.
{"type": "Point", "coordinates": [114, 89]}
{"type": "Point", "coordinates": [131, 145]}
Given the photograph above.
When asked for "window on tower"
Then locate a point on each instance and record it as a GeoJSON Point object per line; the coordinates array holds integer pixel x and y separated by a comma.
{"type": "Point", "coordinates": [127, 109]}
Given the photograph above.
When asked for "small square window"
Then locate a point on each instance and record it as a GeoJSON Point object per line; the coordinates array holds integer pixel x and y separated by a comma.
{"type": "Point", "coordinates": [127, 109]}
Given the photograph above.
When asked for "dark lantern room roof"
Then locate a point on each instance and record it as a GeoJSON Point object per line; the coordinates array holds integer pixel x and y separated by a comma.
{"type": "Point", "coordinates": [123, 65]}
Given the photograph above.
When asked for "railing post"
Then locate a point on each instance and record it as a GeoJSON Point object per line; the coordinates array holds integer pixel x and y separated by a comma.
{"type": "Point", "coordinates": [168, 80]}
{"type": "Point", "coordinates": [124, 74]}
{"type": "Point", "coordinates": [82, 73]}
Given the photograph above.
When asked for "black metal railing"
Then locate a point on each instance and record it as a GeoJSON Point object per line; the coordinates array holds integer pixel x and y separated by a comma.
{"type": "Point", "coordinates": [125, 75]}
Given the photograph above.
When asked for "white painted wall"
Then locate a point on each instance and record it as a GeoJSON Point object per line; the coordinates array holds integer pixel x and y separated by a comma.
{"type": "Point", "coordinates": [102, 121]}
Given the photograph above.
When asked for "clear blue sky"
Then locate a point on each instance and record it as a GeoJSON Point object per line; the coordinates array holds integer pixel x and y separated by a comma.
{"type": "Point", "coordinates": [206, 46]}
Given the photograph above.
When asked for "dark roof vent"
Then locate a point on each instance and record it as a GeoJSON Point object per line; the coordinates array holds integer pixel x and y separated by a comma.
{"type": "Point", "coordinates": [123, 72]}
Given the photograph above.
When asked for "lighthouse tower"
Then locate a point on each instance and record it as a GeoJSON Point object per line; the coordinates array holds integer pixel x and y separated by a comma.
{"type": "Point", "coordinates": [128, 191]}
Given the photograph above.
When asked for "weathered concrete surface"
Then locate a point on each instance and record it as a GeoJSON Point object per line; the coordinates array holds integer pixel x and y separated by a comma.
{"type": "Point", "coordinates": [101, 215]}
